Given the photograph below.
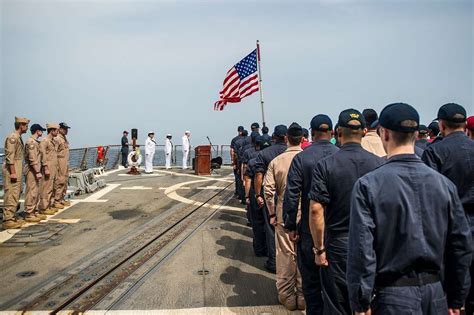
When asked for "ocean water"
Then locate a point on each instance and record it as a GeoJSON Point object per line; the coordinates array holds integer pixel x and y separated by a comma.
{"type": "Point", "coordinates": [85, 158]}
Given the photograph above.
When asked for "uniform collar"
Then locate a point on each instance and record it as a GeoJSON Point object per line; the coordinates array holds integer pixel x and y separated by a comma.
{"type": "Point", "coordinates": [405, 158]}
{"type": "Point", "coordinates": [34, 138]}
{"type": "Point", "coordinates": [319, 142]}
{"type": "Point", "coordinates": [297, 148]}
{"type": "Point", "coordinates": [456, 134]}
{"type": "Point", "coordinates": [351, 146]}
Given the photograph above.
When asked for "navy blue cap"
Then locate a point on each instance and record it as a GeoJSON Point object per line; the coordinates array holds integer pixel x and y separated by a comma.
{"type": "Point", "coordinates": [254, 135]}
{"type": "Point", "coordinates": [265, 129]}
{"type": "Point", "coordinates": [240, 128]}
{"type": "Point", "coordinates": [397, 117]}
{"type": "Point", "coordinates": [321, 123]}
{"type": "Point", "coordinates": [262, 142]}
{"type": "Point", "coordinates": [452, 112]}
{"type": "Point", "coordinates": [280, 131]}
{"type": "Point", "coordinates": [255, 125]}
{"type": "Point", "coordinates": [36, 127]}
{"type": "Point", "coordinates": [63, 125]}
{"type": "Point", "coordinates": [370, 116]}
{"type": "Point", "coordinates": [295, 130]}
{"type": "Point", "coordinates": [305, 132]}
{"type": "Point", "coordinates": [423, 129]}
{"type": "Point", "coordinates": [348, 115]}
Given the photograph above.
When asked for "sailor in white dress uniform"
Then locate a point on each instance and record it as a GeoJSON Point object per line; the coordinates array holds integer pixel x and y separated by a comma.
{"type": "Point", "coordinates": [150, 146]}
{"type": "Point", "coordinates": [186, 147]}
{"type": "Point", "coordinates": [168, 150]}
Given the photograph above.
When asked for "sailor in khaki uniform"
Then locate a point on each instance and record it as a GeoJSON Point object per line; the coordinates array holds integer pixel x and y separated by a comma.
{"type": "Point", "coordinates": [49, 163]}
{"type": "Point", "coordinates": [12, 173]}
{"type": "Point", "coordinates": [60, 184]}
{"type": "Point", "coordinates": [33, 174]}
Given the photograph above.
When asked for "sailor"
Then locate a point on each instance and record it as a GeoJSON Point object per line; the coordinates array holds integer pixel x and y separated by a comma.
{"type": "Point", "coordinates": [407, 224]}
{"type": "Point", "coordinates": [264, 158]}
{"type": "Point", "coordinates": [255, 127]}
{"type": "Point", "coordinates": [331, 187]}
{"type": "Point", "coordinates": [124, 148]}
{"type": "Point", "coordinates": [49, 163]}
{"type": "Point", "coordinates": [288, 278]}
{"type": "Point", "coordinates": [168, 151]}
{"type": "Point", "coordinates": [371, 141]}
{"type": "Point", "coordinates": [257, 220]}
{"type": "Point", "coordinates": [150, 146]}
{"type": "Point", "coordinates": [186, 146]}
{"type": "Point", "coordinates": [60, 184]}
{"type": "Point", "coordinates": [12, 174]}
{"type": "Point", "coordinates": [422, 139]}
{"type": "Point", "coordinates": [453, 157]}
{"type": "Point", "coordinates": [33, 174]}
{"type": "Point", "coordinates": [233, 158]}
{"type": "Point", "coordinates": [244, 140]}
{"type": "Point", "coordinates": [435, 134]}
{"type": "Point", "coordinates": [248, 150]}
{"type": "Point", "coordinates": [265, 135]}
{"type": "Point", "coordinates": [298, 185]}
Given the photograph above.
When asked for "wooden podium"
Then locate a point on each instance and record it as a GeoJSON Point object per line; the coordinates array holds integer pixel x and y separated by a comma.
{"type": "Point", "coordinates": [202, 160]}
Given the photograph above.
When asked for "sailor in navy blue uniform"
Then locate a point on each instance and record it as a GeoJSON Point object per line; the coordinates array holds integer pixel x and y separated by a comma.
{"type": "Point", "coordinates": [298, 185]}
{"type": "Point", "coordinates": [256, 213]}
{"type": "Point", "coordinates": [264, 158]}
{"type": "Point", "coordinates": [454, 158]}
{"type": "Point", "coordinates": [266, 136]}
{"type": "Point", "coordinates": [331, 187]}
{"type": "Point", "coordinates": [249, 150]}
{"type": "Point", "coordinates": [233, 157]}
{"type": "Point", "coordinates": [238, 149]}
{"type": "Point", "coordinates": [407, 225]}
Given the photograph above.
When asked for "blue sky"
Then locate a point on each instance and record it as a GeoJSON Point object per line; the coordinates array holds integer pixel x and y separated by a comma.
{"type": "Point", "coordinates": [105, 66]}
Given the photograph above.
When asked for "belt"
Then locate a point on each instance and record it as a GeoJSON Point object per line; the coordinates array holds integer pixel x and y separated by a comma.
{"type": "Point", "coordinates": [418, 281]}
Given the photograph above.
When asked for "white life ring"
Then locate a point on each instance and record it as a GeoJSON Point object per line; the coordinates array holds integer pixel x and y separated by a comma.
{"type": "Point", "coordinates": [130, 161]}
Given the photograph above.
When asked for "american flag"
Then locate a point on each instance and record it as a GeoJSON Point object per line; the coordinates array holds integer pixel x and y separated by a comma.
{"type": "Point", "coordinates": [241, 81]}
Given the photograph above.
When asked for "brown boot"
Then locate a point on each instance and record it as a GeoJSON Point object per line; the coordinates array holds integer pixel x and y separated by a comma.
{"type": "Point", "coordinates": [58, 205]}
{"type": "Point", "coordinates": [12, 224]}
{"type": "Point", "coordinates": [41, 216]}
{"type": "Point", "coordinates": [48, 211]}
{"type": "Point", "coordinates": [301, 302]}
{"type": "Point", "coordinates": [31, 218]}
{"type": "Point", "coordinates": [289, 303]}
{"type": "Point", "coordinates": [66, 203]}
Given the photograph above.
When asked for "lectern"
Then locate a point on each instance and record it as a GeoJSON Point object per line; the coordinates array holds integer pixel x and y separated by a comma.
{"type": "Point", "coordinates": [202, 160]}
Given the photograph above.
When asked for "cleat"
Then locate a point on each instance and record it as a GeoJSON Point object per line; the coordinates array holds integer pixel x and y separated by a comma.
{"type": "Point", "coordinates": [12, 224]}
{"type": "Point", "coordinates": [31, 218]}
{"type": "Point", "coordinates": [40, 216]}
{"type": "Point", "coordinates": [58, 205]}
{"type": "Point", "coordinates": [48, 211]}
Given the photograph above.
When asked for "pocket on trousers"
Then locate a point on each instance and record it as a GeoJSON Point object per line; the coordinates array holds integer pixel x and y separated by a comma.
{"type": "Point", "coordinates": [439, 306]}
{"type": "Point", "coordinates": [388, 303]}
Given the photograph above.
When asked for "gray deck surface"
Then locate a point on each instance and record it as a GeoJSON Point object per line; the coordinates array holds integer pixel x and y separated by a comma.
{"type": "Point", "coordinates": [235, 283]}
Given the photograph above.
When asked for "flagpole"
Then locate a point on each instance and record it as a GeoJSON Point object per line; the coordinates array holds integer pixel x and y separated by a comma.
{"type": "Point", "coordinates": [260, 82]}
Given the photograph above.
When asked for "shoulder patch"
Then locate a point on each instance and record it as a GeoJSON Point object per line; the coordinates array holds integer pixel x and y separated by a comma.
{"type": "Point", "coordinates": [12, 140]}
{"type": "Point", "coordinates": [31, 146]}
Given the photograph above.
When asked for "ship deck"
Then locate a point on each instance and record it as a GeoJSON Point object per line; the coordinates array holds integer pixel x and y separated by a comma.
{"type": "Point", "coordinates": [166, 243]}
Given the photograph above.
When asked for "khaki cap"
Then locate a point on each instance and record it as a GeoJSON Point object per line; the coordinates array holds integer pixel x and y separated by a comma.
{"type": "Point", "coordinates": [52, 126]}
{"type": "Point", "coordinates": [22, 120]}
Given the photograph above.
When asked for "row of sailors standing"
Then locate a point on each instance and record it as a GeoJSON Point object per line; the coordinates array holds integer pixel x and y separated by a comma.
{"type": "Point", "coordinates": [374, 223]}
{"type": "Point", "coordinates": [150, 148]}
{"type": "Point", "coordinates": [44, 163]}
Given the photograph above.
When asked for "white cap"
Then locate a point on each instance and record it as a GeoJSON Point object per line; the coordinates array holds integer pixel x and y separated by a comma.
{"type": "Point", "coordinates": [151, 132]}
{"type": "Point", "coordinates": [168, 135]}
{"type": "Point", "coordinates": [187, 131]}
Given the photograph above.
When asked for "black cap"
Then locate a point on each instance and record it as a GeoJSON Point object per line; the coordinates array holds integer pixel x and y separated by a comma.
{"type": "Point", "coordinates": [264, 129]}
{"type": "Point", "coordinates": [305, 133]}
{"type": "Point", "coordinates": [321, 123]}
{"type": "Point", "coordinates": [280, 131]}
{"type": "Point", "coordinates": [370, 116]}
{"type": "Point", "coordinates": [125, 131]}
{"type": "Point", "coordinates": [262, 142]}
{"type": "Point", "coordinates": [255, 125]}
{"type": "Point", "coordinates": [295, 130]}
{"type": "Point", "coordinates": [63, 125]}
{"type": "Point", "coordinates": [452, 112]}
{"type": "Point", "coordinates": [240, 128]}
{"type": "Point", "coordinates": [434, 127]}
{"type": "Point", "coordinates": [423, 129]}
{"type": "Point", "coordinates": [254, 135]}
{"type": "Point", "coordinates": [36, 127]}
{"type": "Point", "coordinates": [396, 116]}
{"type": "Point", "coordinates": [349, 115]}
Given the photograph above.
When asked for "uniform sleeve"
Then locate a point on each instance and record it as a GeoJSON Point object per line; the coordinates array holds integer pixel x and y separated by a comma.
{"type": "Point", "coordinates": [319, 185]}
{"type": "Point", "coordinates": [31, 154]}
{"type": "Point", "coordinates": [431, 159]}
{"type": "Point", "coordinates": [10, 150]}
{"type": "Point", "coordinates": [269, 185]}
{"type": "Point", "coordinates": [458, 253]}
{"type": "Point", "coordinates": [249, 170]}
{"type": "Point", "coordinates": [260, 166]}
{"type": "Point", "coordinates": [361, 260]}
{"type": "Point", "coordinates": [291, 201]}
{"type": "Point", "coordinates": [43, 147]}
